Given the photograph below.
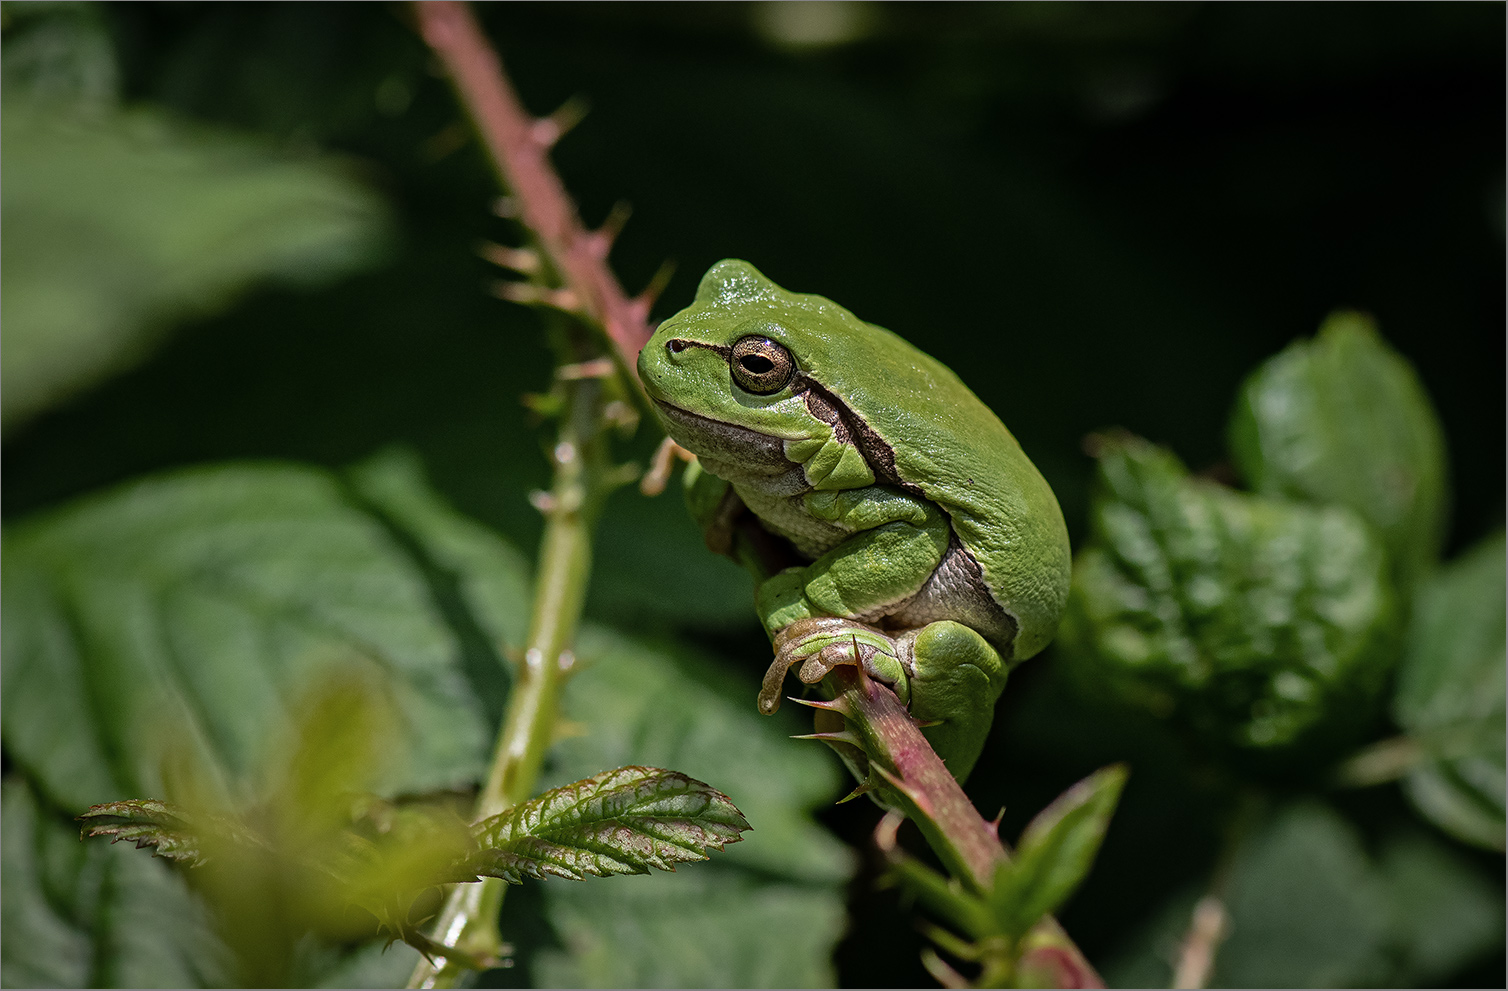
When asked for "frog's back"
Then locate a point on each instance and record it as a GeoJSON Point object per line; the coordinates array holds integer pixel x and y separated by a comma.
{"type": "Point", "coordinates": [962, 457]}
{"type": "Point", "coordinates": [935, 435]}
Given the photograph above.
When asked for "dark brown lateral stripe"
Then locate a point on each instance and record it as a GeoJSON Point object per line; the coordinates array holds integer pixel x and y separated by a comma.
{"type": "Point", "coordinates": [849, 428]}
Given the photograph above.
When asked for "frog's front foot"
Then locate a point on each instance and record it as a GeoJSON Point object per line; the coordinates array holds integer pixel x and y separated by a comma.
{"type": "Point", "coordinates": [822, 643]}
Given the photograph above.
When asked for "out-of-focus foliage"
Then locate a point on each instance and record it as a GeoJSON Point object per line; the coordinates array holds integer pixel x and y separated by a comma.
{"type": "Point", "coordinates": [120, 222]}
{"type": "Point", "coordinates": [1343, 419]}
{"type": "Point", "coordinates": [1254, 622]}
{"type": "Point", "coordinates": [1311, 906]}
{"type": "Point", "coordinates": [1450, 695]}
{"type": "Point", "coordinates": [155, 639]}
{"type": "Point", "coordinates": [187, 609]}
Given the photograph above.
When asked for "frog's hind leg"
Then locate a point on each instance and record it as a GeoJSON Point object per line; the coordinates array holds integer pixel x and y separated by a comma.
{"type": "Point", "coordinates": [956, 677]}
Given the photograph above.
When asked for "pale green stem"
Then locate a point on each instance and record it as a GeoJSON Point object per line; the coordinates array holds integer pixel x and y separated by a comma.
{"type": "Point", "coordinates": [468, 920]}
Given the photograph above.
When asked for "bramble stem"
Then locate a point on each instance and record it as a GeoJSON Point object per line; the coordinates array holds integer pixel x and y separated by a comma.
{"type": "Point", "coordinates": [518, 145]}
{"type": "Point", "coordinates": [966, 844]}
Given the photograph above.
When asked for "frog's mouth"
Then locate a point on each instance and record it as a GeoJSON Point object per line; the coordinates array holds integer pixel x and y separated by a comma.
{"type": "Point", "coordinates": [725, 446]}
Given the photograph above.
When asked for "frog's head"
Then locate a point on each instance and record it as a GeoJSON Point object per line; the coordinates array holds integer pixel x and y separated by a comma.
{"type": "Point", "coordinates": [744, 355]}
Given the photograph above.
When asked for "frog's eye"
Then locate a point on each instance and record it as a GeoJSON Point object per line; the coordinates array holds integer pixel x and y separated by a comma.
{"type": "Point", "coordinates": [760, 365]}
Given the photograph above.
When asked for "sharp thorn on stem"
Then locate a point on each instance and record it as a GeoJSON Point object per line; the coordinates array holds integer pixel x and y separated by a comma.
{"type": "Point", "coordinates": [546, 131]}
{"type": "Point", "coordinates": [863, 789]}
{"type": "Point", "coordinates": [530, 294]}
{"type": "Point", "coordinates": [596, 368]}
{"type": "Point", "coordinates": [840, 737]}
{"type": "Point", "coordinates": [612, 226]}
{"type": "Point", "coordinates": [657, 284]}
{"type": "Point", "coordinates": [522, 260]}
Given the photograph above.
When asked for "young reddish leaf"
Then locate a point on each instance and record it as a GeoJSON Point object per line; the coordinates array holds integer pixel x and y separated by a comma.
{"type": "Point", "coordinates": [617, 822]}
{"type": "Point", "coordinates": [171, 831]}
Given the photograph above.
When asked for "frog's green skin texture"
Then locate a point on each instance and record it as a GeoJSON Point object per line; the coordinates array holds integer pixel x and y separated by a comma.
{"type": "Point", "coordinates": [920, 537]}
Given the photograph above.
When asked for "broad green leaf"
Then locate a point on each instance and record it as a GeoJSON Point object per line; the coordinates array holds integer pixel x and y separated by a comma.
{"type": "Point", "coordinates": [768, 910]}
{"type": "Point", "coordinates": [1450, 695]}
{"type": "Point", "coordinates": [1344, 419]}
{"type": "Point", "coordinates": [185, 611]}
{"type": "Point", "coordinates": [651, 563]}
{"type": "Point", "coordinates": [1306, 908]}
{"type": "Point", "coordinates": [1255, 622]}
{"type": "Point", "coordinates": [617, 822]}
{"type": "Point", "coordinates": [82, 915]}
{"type": "Point", "coordinates": [120, 222]}
{"type": "Point", "coordinates": [206, 599]}
{"type": "Point", "coordinates": [158, 637]}
{"type": "Point", "coordinates": [706, 928]}
{"type": "Point", "coordinates": [1057, 849]}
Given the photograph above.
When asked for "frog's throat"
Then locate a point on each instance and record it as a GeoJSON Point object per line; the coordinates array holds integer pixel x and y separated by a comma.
{"type": "Point", "coordinates": [732, 452]}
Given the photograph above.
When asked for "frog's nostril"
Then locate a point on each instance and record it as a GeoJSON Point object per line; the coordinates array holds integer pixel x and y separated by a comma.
{"type": "Point", "coordinates": [676, 345]}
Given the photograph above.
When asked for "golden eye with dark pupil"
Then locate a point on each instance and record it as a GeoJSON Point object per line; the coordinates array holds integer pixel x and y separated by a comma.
{"type": "Point", "coordinates": [760, 365]}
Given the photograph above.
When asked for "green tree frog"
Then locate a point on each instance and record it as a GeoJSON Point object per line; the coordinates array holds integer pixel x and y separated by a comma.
{"type": "Point", "coordinates": [890, 519]}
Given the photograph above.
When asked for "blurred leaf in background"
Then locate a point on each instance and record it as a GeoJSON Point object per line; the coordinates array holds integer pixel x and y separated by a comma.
{"type": "Point", "coordinates": [1450, 696]}
{"type": "Point", "coordinates": [123, 221]}
{"type": "Point", "coordinates": [1310, 906]}
{"type": "Point", "coordinates": [1343, 419]}
{"type": "Point", "coordinates": [767, 912]}
{"type": "Point", "coordinates": [1256, 623]}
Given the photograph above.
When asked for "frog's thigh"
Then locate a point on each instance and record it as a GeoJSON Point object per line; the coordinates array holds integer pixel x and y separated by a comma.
{"type": "Point", "coordinates": [866, 572]}
{"type": "Point", "coordinates": [958, 676]}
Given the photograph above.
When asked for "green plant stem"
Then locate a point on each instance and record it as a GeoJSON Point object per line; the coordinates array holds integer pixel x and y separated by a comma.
{"type": "Point", "coordinates": [468, 920]}
{"type": "Point", "coordinates": [573, 277]}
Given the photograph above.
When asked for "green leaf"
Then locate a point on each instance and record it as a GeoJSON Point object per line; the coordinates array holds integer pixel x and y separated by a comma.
{"type": "Point", "coordinates": [178, 614]}
{"type": "Point", "coordinates": [195, 605]}
{"type": "Point", "coordinates": [1446, 914]}
{"type": "Point", "coordinates": [157, 635]}
{"type": "Point", "coordinates": [1309, 907]}
{"type": "Point", "coordinates": [1057, 849]}
{"type": "Point", "coordinates": [1450, 695]}
{"type": "Point", "coordinates": [94, 915]}
{"type": "Point", "coordinates": [703, 928]}
{"type": "Point", "coordinates": [1344, 419]}
{"type": "Point", "coordinates": [147, 822]}
{"type": "Point", "coordinates": [1253, 622]}
{"type": "Point", "coordinates": [1306, 908]}
{"type": "Point", "coordinates": [120, 223]}
{"type": "Point", "coordinates": [766, 912]}
{"type": "Point", "coordinates": [617, 822]}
